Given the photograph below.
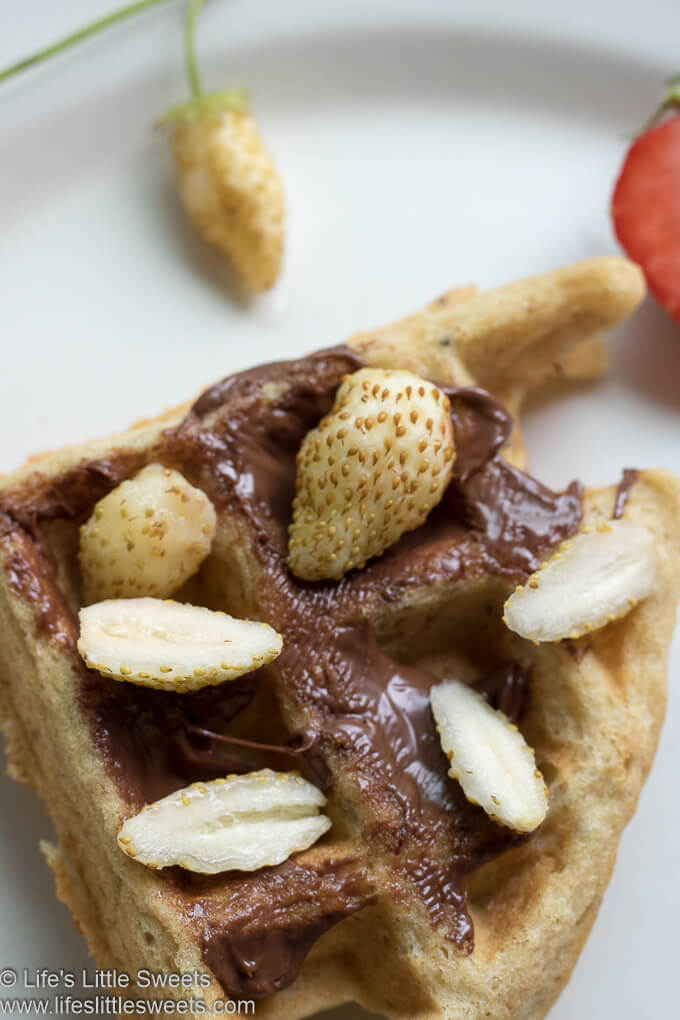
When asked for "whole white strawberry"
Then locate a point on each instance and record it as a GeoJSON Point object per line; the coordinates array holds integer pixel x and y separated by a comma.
{"type": "Point", "coordinates": [231, 190]}
{"type": "Point", "coordinates": [228, 183]}
{"type": "Point", "coordinates": [371, 470]}
{"type": "Point", "coordinates": [147, 537]}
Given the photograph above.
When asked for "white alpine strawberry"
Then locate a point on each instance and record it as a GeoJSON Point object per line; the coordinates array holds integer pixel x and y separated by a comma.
{"type": "Point", "coordinates": [146, 537]}
{"type": "Point", "coordinates": [172, 646]}
{"type": "Point", "coordinates": [489, 757]}
{"type": "Point", "coordinates": [593, 578]}
{"type": "Point", "coordinates": [371, 470]}
{"type": "Point", "coordinates": [231, 190]}
{"type": "Point", "coordinates": [239, 823]}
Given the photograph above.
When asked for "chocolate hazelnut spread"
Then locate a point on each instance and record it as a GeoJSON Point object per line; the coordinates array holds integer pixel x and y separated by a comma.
{"type": "Point", "coordinates": [260, 951]}
{"type": "Point", "coordinates": [30, 576]}
{"type": "Point", "coordinates": [506, 687]}
{"type": "Point", "coordinates": [365, 717]}
{"type": "Point", "coordinates": [628, 479]}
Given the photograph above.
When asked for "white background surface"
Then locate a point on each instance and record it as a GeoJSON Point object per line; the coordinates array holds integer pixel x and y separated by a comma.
{"type": "Point", "coordinates": [422, 145]}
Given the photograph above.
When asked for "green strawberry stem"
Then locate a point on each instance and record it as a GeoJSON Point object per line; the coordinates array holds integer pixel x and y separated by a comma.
{"type": "Point", "coordinates": [76, 37]}
{"type": "Point", "coordinates": [201, 103]}
{"type": "Point", "coordinates": [671, 101]}
{"type": "Point", "coordinates": [193, 76]}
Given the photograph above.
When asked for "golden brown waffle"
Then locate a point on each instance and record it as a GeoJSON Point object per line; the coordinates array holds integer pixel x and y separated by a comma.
{"type": "Point", "coordinates": [378, 911]}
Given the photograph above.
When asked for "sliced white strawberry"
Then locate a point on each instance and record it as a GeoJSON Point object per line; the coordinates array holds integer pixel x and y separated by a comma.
{"type": "Point", "coordinates": [239, 823]}
{"type": "Point", "coordinates": [593, 578]}
{"type": "Point", "coordinates": [147, 537]}
{"type": "Point", "coordinates": [372, 470]}
{"type": "Point", "coordinates": [172, 646]}
{"type": "Point", "coordinates": [489, 757]}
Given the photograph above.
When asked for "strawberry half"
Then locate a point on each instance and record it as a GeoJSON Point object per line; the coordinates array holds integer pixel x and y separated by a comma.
{"type": "Point", "coordinates": [646, 205]}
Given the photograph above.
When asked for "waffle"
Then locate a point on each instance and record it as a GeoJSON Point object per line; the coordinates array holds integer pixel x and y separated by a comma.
{"type": "Point", "coordinates": [415, 904]}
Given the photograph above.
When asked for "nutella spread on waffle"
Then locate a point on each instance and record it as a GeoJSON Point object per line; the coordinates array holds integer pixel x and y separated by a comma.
{"type": "Point", "coordinates": [628, 479]}
{"type": "Point", "coordinates": [364, 718]}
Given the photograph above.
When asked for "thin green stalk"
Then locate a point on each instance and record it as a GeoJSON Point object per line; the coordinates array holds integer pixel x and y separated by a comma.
{"type": "Point", "coordinates": [76, 37]}
{"type": "Point", "coordinates": [193, 75]}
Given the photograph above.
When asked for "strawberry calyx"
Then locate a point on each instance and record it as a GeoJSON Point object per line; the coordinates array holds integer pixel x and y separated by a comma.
{"type": "Point", "coordinates": [670, 101]}
{"type": "Point", "coordinates": [208, 104]}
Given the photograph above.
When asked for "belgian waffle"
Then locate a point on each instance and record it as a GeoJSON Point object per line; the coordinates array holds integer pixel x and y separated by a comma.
{"type": "Point", "coordinates": [415, 904]}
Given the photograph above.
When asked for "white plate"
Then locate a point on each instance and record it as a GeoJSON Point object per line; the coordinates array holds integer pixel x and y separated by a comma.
{"type": "Point", "coordinates": [421, 145]}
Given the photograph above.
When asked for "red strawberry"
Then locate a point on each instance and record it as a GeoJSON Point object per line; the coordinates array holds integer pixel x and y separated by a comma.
{"type": "Point", "coordinates": [646, 204]}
